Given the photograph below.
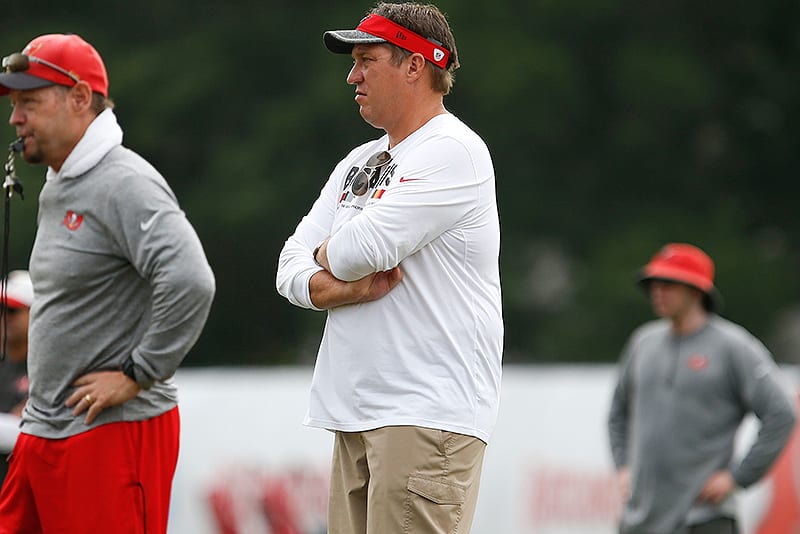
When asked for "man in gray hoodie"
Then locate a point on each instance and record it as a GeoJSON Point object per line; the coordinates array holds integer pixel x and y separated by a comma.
{"type": "Point", "coordinates": [122, 289]}
{"type": "Point", "coordinates": [686, 382]}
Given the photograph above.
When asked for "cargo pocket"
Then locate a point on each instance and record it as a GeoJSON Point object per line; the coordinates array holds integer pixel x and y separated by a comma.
{"type": "Point", "coordinates": [433, 506]}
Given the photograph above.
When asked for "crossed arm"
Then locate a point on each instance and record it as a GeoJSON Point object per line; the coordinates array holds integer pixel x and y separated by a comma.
{"type": "Point", "coordinates": [327, 291]}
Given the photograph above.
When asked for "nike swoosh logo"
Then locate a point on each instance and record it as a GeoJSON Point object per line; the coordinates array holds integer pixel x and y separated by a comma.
{"type": "Point", "coordinates": [145, 225]}
{"type": "Point", "coordinates": [404, 179]}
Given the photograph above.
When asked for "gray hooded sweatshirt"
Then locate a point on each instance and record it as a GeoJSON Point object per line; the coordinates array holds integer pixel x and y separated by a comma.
{"type": "Point", "coordinates": [674, 416]}
{"type": "Point", "coordinates": [117, 271]}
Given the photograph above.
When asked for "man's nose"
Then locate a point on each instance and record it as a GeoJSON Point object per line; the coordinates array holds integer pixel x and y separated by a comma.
{"type": "Point", "coordinates": [16, 117]}
{"type": "Point", "coordinates": [354, 76]}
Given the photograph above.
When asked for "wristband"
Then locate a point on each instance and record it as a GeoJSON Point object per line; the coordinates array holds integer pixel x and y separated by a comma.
{"type": "Point", "coordinates": [129, 370]}
{"type": "Point", "coordinates": [315, 253]}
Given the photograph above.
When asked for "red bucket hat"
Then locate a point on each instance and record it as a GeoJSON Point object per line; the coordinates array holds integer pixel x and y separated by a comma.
{"type": "Point", "coordinates": [685, 264]}
{"type": "Point", "coordinates": [54, 59]}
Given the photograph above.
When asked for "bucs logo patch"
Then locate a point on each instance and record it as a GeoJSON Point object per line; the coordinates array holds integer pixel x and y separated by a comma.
{"type": "Point", "coordinates": [72, 220]}
{"type": "Point", "coordinates": [697, 362]}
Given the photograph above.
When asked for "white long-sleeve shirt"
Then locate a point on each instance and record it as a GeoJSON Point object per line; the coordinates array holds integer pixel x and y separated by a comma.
{"type": "Point", "coordinates": [429, 352]}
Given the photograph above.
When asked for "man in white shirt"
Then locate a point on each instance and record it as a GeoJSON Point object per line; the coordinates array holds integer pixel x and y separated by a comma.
{"type": "Point", "coordinates": [401, 248]}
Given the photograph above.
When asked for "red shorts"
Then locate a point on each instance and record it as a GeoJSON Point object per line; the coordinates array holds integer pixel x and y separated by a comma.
{"type": "Point", "coordinates": [114, 479]}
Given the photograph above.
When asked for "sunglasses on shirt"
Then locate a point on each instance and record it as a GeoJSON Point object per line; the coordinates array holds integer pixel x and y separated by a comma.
{"type": "Point", "coordinates": [375, 162]}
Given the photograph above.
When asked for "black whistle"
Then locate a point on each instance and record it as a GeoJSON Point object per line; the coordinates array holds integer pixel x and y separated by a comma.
{"type": "Point", "coordinates": [12, 184]}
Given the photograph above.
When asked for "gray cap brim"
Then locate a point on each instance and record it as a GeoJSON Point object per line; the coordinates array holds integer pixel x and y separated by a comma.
{"type": "Point", "coordinates": [342, 41]}
{"type": "Point", "coordinates": [19, 81]}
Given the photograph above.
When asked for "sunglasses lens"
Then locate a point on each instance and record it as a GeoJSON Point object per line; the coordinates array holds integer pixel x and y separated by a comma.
{"type": "Point", "coordinates": [361, 180]}
{"type": "Point", "coordinates": [16, 62]}
{"type": "Point", "coordinates": [360, 183]}
{"type": "Point", "coordinates": [381, 158]}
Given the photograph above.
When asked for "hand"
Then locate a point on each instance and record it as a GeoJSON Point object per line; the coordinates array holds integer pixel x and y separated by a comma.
{"type": "Point", "coordinates": [103, 389]}
{"type": "Point", "coordinates": [375, 286]}
{"type": "Point", "coordinates": [17, 410]}
{"type": "Point", "coordinates": [624, 483]}
{"type": "Point", "coordinates": [329, 292]}
{"type": "Point", "coordinates": [717, 487]}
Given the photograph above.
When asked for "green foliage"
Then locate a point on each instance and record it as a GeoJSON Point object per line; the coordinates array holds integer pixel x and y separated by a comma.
{"type": "Point", "coordinates": [614, 126]}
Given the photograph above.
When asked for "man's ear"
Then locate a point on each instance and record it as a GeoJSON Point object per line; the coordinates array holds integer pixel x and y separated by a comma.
{"type": "Point", "coordinates": [416, 66]}
{"type": "Point", "coordinates": [81, 96]}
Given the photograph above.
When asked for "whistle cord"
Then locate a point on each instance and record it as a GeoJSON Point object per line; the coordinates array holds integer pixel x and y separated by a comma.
{"type": "Point", "coordinates": [10, 185]}
{"type": "Point", "coordinates": [4, 272]}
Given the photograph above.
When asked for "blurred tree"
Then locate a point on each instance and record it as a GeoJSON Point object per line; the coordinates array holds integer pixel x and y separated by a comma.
{"type": "Point", "coordinates": [615, 126]}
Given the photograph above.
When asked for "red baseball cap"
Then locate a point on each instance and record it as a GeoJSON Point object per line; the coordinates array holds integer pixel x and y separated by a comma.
{"type": "Point", "coordinates": [54, 59]}
{"type": "Point", "coordinates": [685, 264]}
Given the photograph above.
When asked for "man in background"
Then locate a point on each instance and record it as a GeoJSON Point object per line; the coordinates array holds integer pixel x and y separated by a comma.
{"type": "Point", "coordinates": [13, 367]}
{"type": "Point", "coordinates": [401, 248]}
{"type": "Point", "coordinates": [122, 290]}
{"type": "Point", "coordinates": [686, 382]}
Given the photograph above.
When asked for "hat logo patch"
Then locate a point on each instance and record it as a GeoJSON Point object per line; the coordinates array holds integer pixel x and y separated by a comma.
{"type": "Point", "coordinates": [32, 49]}
{"type": "Point", "coordinates": [438, 54]}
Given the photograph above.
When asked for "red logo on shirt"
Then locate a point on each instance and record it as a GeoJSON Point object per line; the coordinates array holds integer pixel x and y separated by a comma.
{"type": "Point", "coordinates": [697, 362]}
{"type": "Point", "coordinates": [72, 220]}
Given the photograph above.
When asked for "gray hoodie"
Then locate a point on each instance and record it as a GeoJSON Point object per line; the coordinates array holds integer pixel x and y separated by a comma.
{"type": "Point", "coordinates": [117, 271]}
{"type": "Point", "coordinates": [674, 416]}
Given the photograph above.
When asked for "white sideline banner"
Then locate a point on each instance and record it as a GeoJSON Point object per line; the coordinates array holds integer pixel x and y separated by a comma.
{"type": "Point", "coordinates": [248, 466]}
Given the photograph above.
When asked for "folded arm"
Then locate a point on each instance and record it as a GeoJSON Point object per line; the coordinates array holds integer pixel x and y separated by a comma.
{"type": "Point", "coordinates": [327, 291]}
